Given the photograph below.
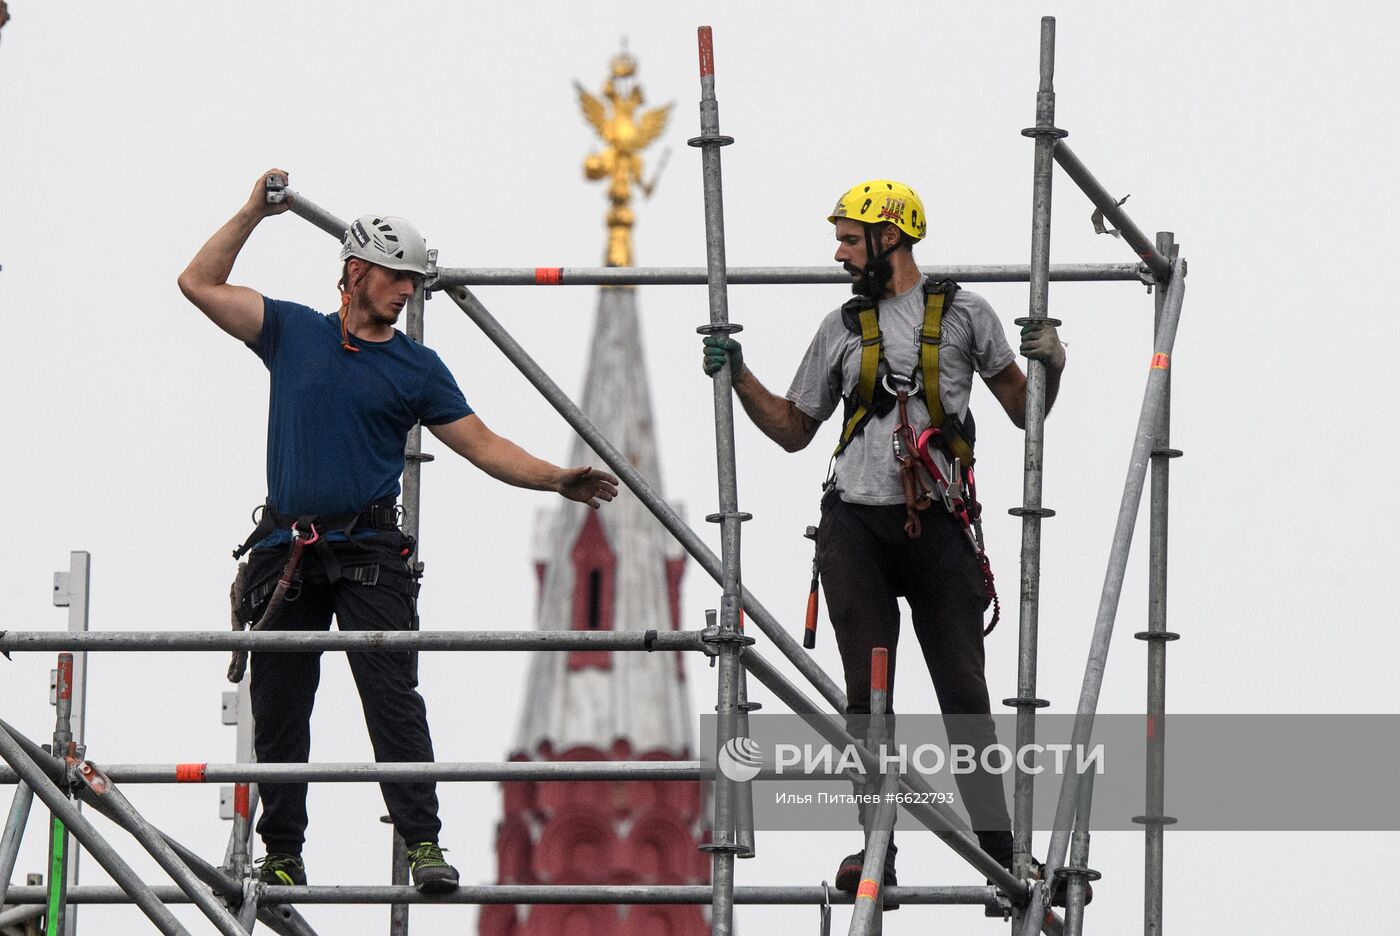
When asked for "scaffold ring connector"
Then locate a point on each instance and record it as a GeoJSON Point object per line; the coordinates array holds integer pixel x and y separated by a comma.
{"type": "Point", "coordinates": [1025, 702]}
{"type": "Point", "coordinates": [1031, 512]}
{"type": "Point", "coordinates": [1026, 320]}
{"type": "Point", "coordinates": [1155, 820]}
{"type": "Point", "coordinates": [739, 515]}
{"type": "Point", "coordinates": [1088, 874]}
{"type": "Point", "coordinates": [1053, 132]}
{"type": "Point", "coordinates": [720, 328]}
{"type": "Point", "coordinates": [710, 139]}
{"type": "Point", "coordinates": [1157, 635]}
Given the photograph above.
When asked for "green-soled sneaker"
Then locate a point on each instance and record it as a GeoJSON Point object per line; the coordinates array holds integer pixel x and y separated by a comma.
{"type": "Point", "coordinates": [431, 874]}
{"type": "Point", "coordinates": [282, 870]}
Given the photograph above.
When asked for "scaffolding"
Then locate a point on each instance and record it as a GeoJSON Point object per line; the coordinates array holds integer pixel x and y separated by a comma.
{"type": "Point", "coordinates": [232, 900]}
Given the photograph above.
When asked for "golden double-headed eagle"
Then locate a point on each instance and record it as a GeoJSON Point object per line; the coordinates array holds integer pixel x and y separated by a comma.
{"type": "Point", "coordinates": [625, 134]}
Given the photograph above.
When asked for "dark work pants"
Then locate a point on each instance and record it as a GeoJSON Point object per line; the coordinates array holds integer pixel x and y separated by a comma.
{"type": "Point", "coordinates": [284, 684]}
{"type": "Point", "coordinates": [867, 562]}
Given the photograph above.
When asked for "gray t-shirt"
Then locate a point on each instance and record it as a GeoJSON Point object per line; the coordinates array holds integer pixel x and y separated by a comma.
{"type": "Point", "coordinates": [973, 339]}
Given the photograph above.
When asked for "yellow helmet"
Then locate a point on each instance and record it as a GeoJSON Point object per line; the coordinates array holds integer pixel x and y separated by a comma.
{"type": "Point", "coordinates": [883, 200]}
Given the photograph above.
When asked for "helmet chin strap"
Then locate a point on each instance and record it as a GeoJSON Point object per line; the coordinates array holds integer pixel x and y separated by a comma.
{"type": "Point", "coordinates": [347, 293]}
{"type": "Point", "coordinates": [878, 270]}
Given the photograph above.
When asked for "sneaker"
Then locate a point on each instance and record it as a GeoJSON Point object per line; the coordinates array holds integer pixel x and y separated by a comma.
{"type": "Point", "coordinates": [848, 874]}
{"type": "Point", "coordinates": [282, 870]}
{"type": "Point", "coordinates": [431, 875]}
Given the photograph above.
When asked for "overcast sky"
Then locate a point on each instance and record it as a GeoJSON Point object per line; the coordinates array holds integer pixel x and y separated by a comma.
{"type": "Point", "coordinates": [1265, 140]}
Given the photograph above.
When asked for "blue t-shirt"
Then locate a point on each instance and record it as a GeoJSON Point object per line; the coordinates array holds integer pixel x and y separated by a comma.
{"type": "Point", "coordinates": [337, 420]}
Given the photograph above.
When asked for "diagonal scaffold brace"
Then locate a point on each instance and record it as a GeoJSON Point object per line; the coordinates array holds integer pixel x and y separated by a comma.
{"type": "Point", "coordinates": [198, 880]}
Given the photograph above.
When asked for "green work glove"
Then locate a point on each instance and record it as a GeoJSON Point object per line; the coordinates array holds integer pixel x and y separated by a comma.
{"type": "Point", "coordinates": [1040, 342]}
{"type": "Point", "coordinates": [718, 349]}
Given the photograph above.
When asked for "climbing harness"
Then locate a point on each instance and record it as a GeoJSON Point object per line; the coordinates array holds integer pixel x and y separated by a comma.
{"type": "Point", "coordinates": [944, 450]}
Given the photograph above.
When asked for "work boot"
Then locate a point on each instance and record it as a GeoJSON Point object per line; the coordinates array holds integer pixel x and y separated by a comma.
{"type": "Point", "coordinates": [282, 870]}
{"type": "Point", "coordinates": [431, 875]}
{"type": "Point", "coordinates": [848, 874]}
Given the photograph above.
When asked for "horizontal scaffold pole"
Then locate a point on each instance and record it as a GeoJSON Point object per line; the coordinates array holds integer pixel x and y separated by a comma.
{"type": "Point", "coordinates": [535, 894]}
{"type": "Point", "coordinates": [439, 771]}
{"type": "Point", "coordinates": [697, 276]}
{"type": "Point", "coordinates": [359, 641]}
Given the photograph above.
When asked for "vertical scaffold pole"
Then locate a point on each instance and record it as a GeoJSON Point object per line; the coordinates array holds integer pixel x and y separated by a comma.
{"type": "Point", "coordinates": [1113, 578]}
{"type": "Point", "coordinates": [867, 916]}
{"type": "Point", "coordinates": [1078, 873]}
{"type": "Point", "coordinates": [56, 919]}
{"type": "Point", "coordinates": [71, 590]}
{"type": "Point", "coordinates": [1157, 637]}
{"type": "Point", "coordinates": [1031, 512]}
{"type": "Point", "coordinates": [725, 847]}
{"type": "Point", "coordinates": [414, 458]}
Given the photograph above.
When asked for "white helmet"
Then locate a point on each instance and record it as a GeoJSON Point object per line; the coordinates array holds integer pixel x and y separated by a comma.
{"type": "Point", "coordinates": [388, 242]}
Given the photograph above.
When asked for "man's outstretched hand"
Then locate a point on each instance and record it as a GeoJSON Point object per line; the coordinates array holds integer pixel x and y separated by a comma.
{"type": "Point", "coordinates": [588, 485]}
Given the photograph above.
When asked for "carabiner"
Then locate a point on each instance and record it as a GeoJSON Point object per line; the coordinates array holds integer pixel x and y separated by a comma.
{"type": "Point", "coordinates": [300, 537]}
{"type": "Point", "coordinates": [912, 385]}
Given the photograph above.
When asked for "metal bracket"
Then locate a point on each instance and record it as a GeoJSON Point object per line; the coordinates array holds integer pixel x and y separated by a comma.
{"type": "Point", "coordinates": [430, 274]}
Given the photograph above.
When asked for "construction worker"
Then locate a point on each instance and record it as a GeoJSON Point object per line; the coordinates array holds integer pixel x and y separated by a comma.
{"type": "Point", "coordinates": [889, 528]}
{"type": "Point", "coordinates": [346, 388]}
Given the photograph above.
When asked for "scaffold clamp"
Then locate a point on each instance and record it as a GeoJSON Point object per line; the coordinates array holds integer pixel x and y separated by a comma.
{"type": "Point", "coordinates": [276, 189]}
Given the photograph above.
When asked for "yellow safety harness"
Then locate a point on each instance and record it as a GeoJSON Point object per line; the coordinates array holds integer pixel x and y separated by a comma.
{"type": "Point", "coordinates": [861, 315]}
{"type": "Point", "coordinates": [953, 436]}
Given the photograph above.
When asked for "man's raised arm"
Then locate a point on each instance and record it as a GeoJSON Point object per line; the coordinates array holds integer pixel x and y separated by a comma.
{"type": "Point", "coordinates": [238, 310]}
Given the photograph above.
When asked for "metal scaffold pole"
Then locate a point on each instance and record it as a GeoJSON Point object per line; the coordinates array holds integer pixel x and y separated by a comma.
{"type": "Point", "coordinates": [1031, 511]}
{"type": "Point", "coordinates": [1113, 577]}
{"type": "Point", "coordinates": [698, 276]}
{"type": "Point", "coordinates": [54, 798]}
{"type": "Point", "coordinates": [1157, 636]}
{"type": "Point", "coordinates": [725, 846]}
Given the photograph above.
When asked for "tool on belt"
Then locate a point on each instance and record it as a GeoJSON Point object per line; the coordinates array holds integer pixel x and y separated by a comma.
{"type": "Point", "coordinates": [238, 665]}
{"type": "Point", "coordinates": [809, 631]}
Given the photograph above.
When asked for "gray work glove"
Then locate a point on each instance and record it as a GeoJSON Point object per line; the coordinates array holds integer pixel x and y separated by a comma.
{"type": "Point", "coordinates": [1040, 342]}
{"type": "Point", "coordinates": [718, 349]}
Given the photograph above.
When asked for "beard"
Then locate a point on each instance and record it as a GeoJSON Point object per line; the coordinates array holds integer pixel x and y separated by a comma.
{"type": "Point", "coordinates": [871, 281]}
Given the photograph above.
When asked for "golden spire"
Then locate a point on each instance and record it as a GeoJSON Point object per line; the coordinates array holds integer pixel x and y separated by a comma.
{"type": "Point", "coordinates": [624, 137]}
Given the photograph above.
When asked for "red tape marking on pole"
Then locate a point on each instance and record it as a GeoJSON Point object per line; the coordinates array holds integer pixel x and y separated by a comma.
{"type": "Point", "coordinates": [707, 52]}
{"type": "Point", "coordinates": [1160, 361]}
{"type": "Point", "coordinates": [548, 276]}
{"type": "Point", "coordinates": [189, 773]}
{"type": "Point", "coordinates": [240, 800]}
{"type": "Point", "coordinates": [879, 669]}
{"type": "Point", "coordinates": [1151, 727]}
{"type": "Point", "coordinates": [868, 890]}
{"type": "Point", "coordinates": [65, 675]}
